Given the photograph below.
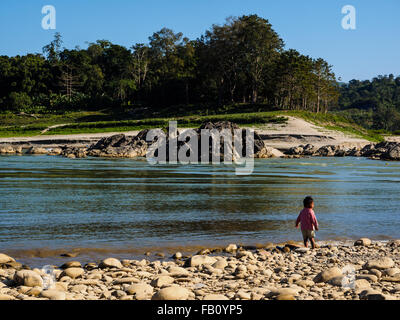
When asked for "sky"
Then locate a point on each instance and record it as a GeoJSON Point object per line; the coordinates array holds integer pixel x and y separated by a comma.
{"type": "Point", "coordinates": [313, 27]}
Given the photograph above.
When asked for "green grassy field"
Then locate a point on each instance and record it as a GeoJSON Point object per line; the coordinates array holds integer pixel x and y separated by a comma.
{"type": "Point", "coordinates": [97, 122]}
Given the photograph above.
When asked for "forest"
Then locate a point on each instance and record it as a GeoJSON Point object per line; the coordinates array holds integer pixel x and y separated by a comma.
{"type": "Point", "coordinates": [241, 62]}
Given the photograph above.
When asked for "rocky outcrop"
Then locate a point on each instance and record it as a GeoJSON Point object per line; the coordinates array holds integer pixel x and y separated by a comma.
{"type": "Point", "coordinates": [74, 152]}
{"type": "Point", "coordinates": [8, 149]}
{"type": "Point", "coordinates": [120, 146]}
{"type": "Point", "coordinates": [381, 151]}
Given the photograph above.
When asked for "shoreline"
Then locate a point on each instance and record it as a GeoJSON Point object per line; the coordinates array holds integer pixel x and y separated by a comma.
{"type": "Point", "coordinates": [153, 252]}
{"type": "Point", "coordinates": [277, 140]}
{"type": "Point", "coordinates": [286, 272]}
{"type": "Point", "coordinates": [267, 144]}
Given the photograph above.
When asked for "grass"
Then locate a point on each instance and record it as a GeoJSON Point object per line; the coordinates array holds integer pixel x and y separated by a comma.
{"type": "Point", "coordinates": [32, 127]}
{"type": "Point", "coordinates": [102, 121]}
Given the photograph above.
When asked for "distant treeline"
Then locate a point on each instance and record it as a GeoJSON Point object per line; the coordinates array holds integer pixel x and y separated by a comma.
{"type": "Point", "coordinates": [373, 104]}
{"type": "Point", "coordinates": [242, 61]}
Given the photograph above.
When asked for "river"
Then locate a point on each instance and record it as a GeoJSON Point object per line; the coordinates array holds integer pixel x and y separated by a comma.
{"type": "Point", "coordinates": [109, 207]}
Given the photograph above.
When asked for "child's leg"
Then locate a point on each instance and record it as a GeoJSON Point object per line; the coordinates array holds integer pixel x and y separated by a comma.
{"type": "Point", "coordinates": [305, 242]}
{"type": "Point", "coordinates": [313, 245]}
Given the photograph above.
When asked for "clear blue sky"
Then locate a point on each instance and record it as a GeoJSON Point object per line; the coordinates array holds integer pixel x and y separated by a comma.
{"type": "Point", "coordinates": [311, 26]}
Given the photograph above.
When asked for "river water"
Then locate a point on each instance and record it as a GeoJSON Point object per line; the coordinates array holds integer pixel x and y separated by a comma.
{"type": "Point", "coordinates": [120, 207]}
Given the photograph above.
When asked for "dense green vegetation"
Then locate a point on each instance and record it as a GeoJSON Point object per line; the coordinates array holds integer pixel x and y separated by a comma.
{"type": "Point", "coordinates": [375, 104]}
{"type": "Point", "coordinates": [72, 122]}
{"type": "Point", "coordinates": [240, 61]}
{"type": "Point", "coordinates": [236, 71]}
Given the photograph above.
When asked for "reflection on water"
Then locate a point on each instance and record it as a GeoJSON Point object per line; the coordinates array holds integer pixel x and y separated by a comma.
{"type": "Point", "coordinates": [53, 202]}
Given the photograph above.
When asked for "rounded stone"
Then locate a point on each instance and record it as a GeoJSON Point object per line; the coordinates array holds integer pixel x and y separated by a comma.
{"type": "Point", "coordinates": [172, 293]}
{"type": "Point", "coordinates": [328, 274]}
{"type": "Point", "coordinates": [111, 263]}
{"type": "Point", "coordinates": [363, 242]}
{"type": "Point", "coordinates": [71, 264]}
{"type": "Point", "coordinates": [177, 271]}
{"type": "Point", "coordinates": [162, 281]}
{"type": "Point", "coordinates": [53, 294]}
{"type": "Point", "coordinates": [381, 263]}
{"type": "Point", "coordinates": [28, 278]}
{"type": "Point", "coordinates": [73, 272]}
{"type": "Point", "coordinates": [231, 248]}
{"type": "Point", "coordinates": [142, 291]}
{"type": "Point", "coordinates": [177, 255]}
{"type": "Point", "coordinates": [199, 260]}
{"type": "Point", "coordinates": [220, 264]}
{"type": "Point", "coordinates": [5, 258]}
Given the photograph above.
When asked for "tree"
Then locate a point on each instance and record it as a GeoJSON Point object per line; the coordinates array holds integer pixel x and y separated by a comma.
{"type": "Point", "coordinates": [53, 49]}
{"type": "Point", "coordinates": [261, 47]}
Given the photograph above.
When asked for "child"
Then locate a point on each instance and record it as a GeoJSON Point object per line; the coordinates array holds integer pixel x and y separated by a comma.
{"type": "Point", "coordinates": [308, 222]}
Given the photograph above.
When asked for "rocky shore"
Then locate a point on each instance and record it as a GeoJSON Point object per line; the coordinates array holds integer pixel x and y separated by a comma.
{"type": "Point", "coordinates": [367, 270]}
{"type": "Point", "coordinates": [389, 151]}
{"type": "Point", "coordinates": [123, 146]}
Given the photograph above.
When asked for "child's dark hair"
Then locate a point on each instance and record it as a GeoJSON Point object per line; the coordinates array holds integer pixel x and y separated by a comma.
{"type": "Point", "coordinates": [308, 201]}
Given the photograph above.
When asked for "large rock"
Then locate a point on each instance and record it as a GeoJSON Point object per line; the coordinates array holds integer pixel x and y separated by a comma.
{"type": "Point", "coordinates": [120, 146]}
{"type": "Point", "coordinates": [177, 272]}
{"type": "Point", "coordinates": [360, 284]}
{"type": "Point", "coordinates": [127, 280]}
{"type": "Point", "coordinates": [199, 260]}
{"type": "Point", "coordinates": [71, 264]}
{"type": "Point", "coordinates": [328, 275]}
{"type": "Point", "coordinates": [53, 294]}
{"type": "Point", "coordinates": [7, 149]}
{"type": "Point", "coordinates": [394, 243]}
{"type": "Point", "coordinates": [391, 272]}
{"type": "Point", "coordinates": [268, 152]}
{"type": "Point", "coordinates": [369, 277]}
{"type": "Point", "coordinates": [73, 272]}
{"type": "Point", "coordinates": [111, 263]}
{"type": "Point", "coordinates": [220, 264]}
{"type": "Point", "coordinates": [162, 281]}
{"type": "Point", "coordinates": [172, 293]}
{"type": "Point", "coordinates": [370, 294]}
{"type": "Point", "coordinates": [5, 258]}
{"type": "Point", "coordinates": [28, 278]}
{"type": "Point", "coordinates": [381, 263]}
{"type": "Point", "coordinates": [141, 291]}
{"type": "Point", "coordinates": [284, 291]}
{"type": "Point", "coordinates": [37, 150]}
{"type": "Point", "coordinates": [363, 242]}
{"type": "Point", "coordinates": [231, 248]}
{"type": "Point", "coordinates": [393, 153]}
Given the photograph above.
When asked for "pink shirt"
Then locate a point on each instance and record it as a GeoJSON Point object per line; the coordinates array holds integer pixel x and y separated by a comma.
{"type": "Point", "coordinates": [307, 219]}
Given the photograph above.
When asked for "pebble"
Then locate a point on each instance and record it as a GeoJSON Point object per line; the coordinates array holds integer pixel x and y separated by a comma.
{"type": "Point", "coordinates": [172, 293]}
{"type": "Point", "coordinates": [111, 263]}
{"type": "Point", "coordinates": [246, 274]}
